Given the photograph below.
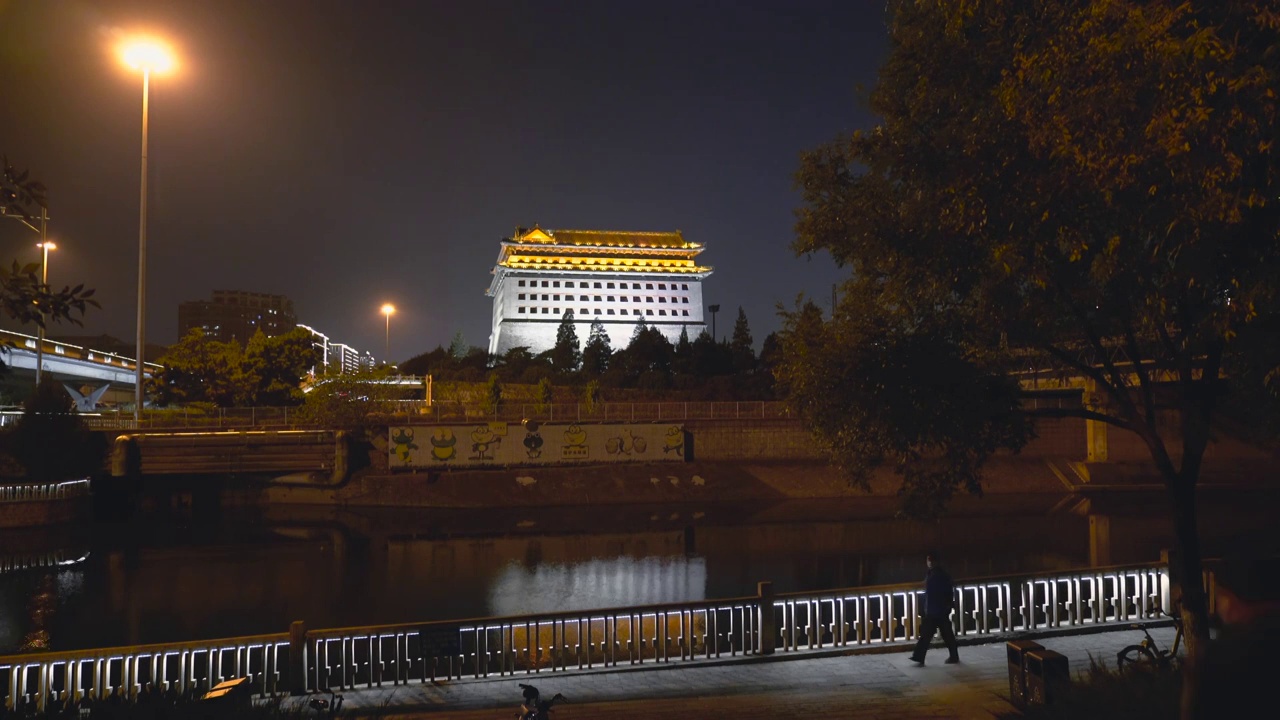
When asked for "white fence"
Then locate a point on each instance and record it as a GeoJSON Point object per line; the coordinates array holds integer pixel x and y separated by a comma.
{"type": "Point", "coordinates": [350, 658]}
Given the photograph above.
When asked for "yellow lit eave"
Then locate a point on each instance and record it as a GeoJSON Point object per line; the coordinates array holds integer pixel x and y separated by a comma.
{"type": "Point", "coordinates": [593, 264]}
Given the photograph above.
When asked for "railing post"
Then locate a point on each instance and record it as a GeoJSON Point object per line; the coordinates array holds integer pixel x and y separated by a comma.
{"type": "Point", "coordinates": [297, 675]}
{"type": "Point", "coordinates": [768, 624]}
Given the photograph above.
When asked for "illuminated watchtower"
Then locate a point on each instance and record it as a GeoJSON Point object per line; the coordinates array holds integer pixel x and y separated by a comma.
{"type": "Point", "coordinates": [611, 276]}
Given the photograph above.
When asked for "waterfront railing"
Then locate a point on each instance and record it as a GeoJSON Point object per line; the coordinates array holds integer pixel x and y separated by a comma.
{"type": "Point", "coordinates": [303, 661]}
{"type": "Point", "coordinates": [26, 492]}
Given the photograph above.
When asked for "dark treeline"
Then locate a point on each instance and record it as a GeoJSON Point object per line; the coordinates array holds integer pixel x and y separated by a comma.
{"type": "Point", "coordinates": [697, 368]}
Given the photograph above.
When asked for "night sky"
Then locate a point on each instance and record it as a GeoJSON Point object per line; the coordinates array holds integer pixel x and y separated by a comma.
{"type": "Point", "coordinates": [348, 154]}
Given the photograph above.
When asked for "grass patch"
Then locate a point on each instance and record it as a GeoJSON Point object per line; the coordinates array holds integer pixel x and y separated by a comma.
{"type": "Point", "coordinates": [1139, 692]}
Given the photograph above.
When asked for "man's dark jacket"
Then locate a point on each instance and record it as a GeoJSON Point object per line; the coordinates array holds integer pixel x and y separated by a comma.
{"type": "Point", "coordinates": [938, 592]}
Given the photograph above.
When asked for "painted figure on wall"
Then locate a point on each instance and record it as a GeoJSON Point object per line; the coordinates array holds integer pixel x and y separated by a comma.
{"type": "Point", "coordinates": [402, 444]}
{"type": "Point", "coordinates": [443, 445]}
{"type": "Point", "coordinates": [482, 439]}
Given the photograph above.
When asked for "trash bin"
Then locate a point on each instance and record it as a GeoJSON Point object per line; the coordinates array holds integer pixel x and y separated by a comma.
{"type": "Point", "coordinates": [1017, 651]}
{"type": "Point", "coordinates": [1047, 676]}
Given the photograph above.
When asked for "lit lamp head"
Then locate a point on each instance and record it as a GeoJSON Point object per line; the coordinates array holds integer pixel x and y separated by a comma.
{"type": "Point", "coordinates": [388, 309]}
{"type": "Point", "coordinates": [148, 55]}
{"type": "Point", "coordinates": [47, 245]}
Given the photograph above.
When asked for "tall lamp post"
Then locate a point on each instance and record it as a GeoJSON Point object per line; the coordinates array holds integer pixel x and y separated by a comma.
{"type": "Point", "coordinates": [149, 56]}
{"type": "Point", "coordinates": [388, 309]}
{"type": "Point", "coordinates": [45, 246]}
{"type": "Point", "coordinates": [44, 274]}
{"type": "Point", "coordinates": [714, 309]}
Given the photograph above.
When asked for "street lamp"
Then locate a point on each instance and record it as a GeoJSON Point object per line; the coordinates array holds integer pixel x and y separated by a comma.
{"type": "Point", "coordinates": [45, 245]}
{"type": "Point", "coordinates": [388, 309]}
{"type": "Point", "coordinates": [714, 309]}
{"type": "Point", "coordinates": [148, 56]}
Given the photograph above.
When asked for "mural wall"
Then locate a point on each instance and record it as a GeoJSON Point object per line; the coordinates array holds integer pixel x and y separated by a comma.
{"type": "Point", "coordinates": [500, 443]}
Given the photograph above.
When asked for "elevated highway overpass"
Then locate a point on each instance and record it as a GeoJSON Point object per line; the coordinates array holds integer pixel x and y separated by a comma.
{"type": "Point", "coordinates": [91, 376]}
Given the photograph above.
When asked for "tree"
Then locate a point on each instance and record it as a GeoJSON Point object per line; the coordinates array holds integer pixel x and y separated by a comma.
{"type": "Point", "coordinates": [598, 351]}
{"type": "Point", "coordinates": [742, 345]}
{"type": "Point", "coordinates": [50, 440]}
{"type": "Point", "coordinates": [711, 358]}
{"type": "Point", "coordinates": [200, 369]}
{"type": "Point", "coordinates": [269, 371]}
{"type": "Point", "coordinates": [492, 400]}
{"type": "Point", "coordinates": [682, 363]}
{"type": "Point", "coordinates": [458, 346]}
{"type": "Point", "coordinates": [355, 402]}
{"type": "Point", "coordinates": [646, 362]}
{"type": "Point", "coordinates": [427, 363]}
{"type": "Point", "coordinates": [591, 396]}
{"type": "Point", "coordinates": [641, 327]}
{"type": "Point", "coordinates": [273, 367]}
{"type": "Point", "coordinates": [546, 395]}
{"type": "Point", "coordinates": [565, 355]}
{"type": "Point", "coordinates": [24, 297]}
{"type": "Point", "coordinates": [1085, 186]}
{"type": "Point", "coordinates": [770, 352]}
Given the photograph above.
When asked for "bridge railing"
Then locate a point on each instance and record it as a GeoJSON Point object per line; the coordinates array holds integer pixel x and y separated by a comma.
{"type": "Point", "coordinates": [668, 633]}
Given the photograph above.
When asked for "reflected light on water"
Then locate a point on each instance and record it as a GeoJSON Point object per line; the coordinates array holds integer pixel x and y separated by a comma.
{"type": "Point", "coordinates": [597, 583]}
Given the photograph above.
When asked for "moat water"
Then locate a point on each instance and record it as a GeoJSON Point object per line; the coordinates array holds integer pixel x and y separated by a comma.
{"type": "Point", "coordinates": [171, 575]}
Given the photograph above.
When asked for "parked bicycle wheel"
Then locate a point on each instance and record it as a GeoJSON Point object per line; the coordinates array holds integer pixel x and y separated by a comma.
{"type": "Point", "coordinates": [1133, 654]}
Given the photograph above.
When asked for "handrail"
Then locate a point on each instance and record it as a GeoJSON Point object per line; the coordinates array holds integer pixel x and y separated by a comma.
{"type": "Point", "coordinates": [764, 624]}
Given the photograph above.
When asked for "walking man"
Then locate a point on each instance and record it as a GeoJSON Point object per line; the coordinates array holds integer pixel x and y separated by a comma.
{"type": "Point", "coordinates": [938, 592]}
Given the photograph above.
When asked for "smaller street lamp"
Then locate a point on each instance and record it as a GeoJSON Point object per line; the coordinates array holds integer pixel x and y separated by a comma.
{"type": "Point", "coordinates": [714, 309]}
{"type": "Point", "coordinates": [388, 309]}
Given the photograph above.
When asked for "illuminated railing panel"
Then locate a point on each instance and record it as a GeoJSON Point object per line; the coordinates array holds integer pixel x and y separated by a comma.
{"type": "Point", "coordinates": [353, 658]}
{"type": "Point", "coordinates": [44, 491]}
{"type": "Point", "coordinates": [82, 678]}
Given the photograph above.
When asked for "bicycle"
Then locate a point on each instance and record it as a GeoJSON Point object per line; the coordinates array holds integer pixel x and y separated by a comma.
{"type": "Point", "coordinates": [1148, 651]}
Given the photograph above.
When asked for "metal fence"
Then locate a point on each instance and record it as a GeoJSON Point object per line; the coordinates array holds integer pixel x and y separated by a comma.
{"type": "Point", "coordinates": [351, 658]}
{"type": "Point", "coordinates": [418, 411]}
{"type": "Point", "coordinates": [600, 412]}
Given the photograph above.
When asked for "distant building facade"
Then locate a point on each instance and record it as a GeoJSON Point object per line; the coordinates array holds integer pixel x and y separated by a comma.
{"type": "Point", "coordinates": [236, 315]}
{"type": "Point", "coordinates": [337, 357]}
{"type": "Point", "coordinates": [615, 277]}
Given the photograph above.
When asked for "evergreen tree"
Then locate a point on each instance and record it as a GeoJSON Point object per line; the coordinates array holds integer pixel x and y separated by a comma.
{"type": "Point", "coordinates": [683, 362]}
{"type": "Point", "coordinates": [744, 355]}
{"type": "Point", "coordinates": [596, 355]}
{"type": "Point", "coordinates": [492, 400]}
{"type": "Point", "coordinates": [641, 326]}
{"type": "Point", "coordinates": [458, 347]}
{"type": "Point", "coordinates": [566, 355]}
{"type": "Point", "coordinates": [546, 395]}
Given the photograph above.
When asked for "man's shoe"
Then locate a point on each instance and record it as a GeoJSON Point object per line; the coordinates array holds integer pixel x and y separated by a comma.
{"type": "Point", "coordinates": [918, 661]}
{"type": "Point", "coordinates": [952, 660]}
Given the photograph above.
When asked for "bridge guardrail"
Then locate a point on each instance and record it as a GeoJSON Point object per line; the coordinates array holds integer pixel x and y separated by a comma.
{"type": "Point", "coordinates": [797, 622]}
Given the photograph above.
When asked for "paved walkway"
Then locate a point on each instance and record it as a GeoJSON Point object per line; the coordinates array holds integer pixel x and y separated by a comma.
{"type": "Point", "coordinates": [851, 685]}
